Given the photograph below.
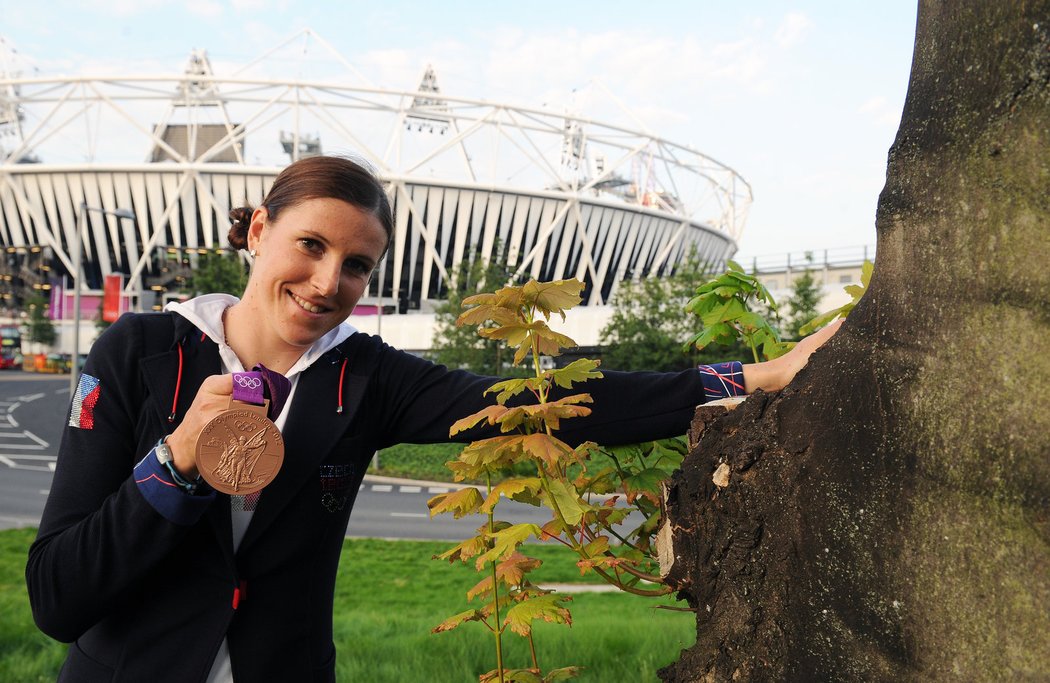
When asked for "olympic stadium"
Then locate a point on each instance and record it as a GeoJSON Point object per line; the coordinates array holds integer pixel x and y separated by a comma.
{"type": "Point", "coordinates": [146, 168]}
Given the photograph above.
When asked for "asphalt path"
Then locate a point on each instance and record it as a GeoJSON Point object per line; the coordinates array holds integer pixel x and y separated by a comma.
{"type": "Point", "coordinates": [33, 409]}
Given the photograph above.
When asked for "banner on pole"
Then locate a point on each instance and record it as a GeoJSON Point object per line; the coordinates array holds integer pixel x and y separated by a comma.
{"type": "Point", "coordinates": [111, 299]}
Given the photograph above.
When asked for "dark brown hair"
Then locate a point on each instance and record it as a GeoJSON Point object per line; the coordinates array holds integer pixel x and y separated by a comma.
{"type": "Point", "coordinates": [321, 177]}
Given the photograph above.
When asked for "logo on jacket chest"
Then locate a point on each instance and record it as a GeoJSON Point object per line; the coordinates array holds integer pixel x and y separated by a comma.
{"type": "Point", "coordinates": [336, 482]}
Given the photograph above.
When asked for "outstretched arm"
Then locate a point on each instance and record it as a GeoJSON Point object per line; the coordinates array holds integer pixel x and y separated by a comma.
{"type": "Point", "coordinates": [777, 373]}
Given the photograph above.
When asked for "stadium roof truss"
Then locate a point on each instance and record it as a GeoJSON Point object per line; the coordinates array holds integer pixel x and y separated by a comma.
{"type": "Point", "coordinates": [555, 195]}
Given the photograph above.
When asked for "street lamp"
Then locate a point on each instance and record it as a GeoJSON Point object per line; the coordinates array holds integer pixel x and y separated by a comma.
{"type": "Point", "coordinates": [77, 257]}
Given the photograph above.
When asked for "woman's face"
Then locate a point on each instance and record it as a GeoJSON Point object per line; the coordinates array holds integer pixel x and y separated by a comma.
{"type": "Point", "coordinates": [311, 267]}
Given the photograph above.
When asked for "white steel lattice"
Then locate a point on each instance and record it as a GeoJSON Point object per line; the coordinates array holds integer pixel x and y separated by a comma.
{"type": "Point", "coordinates": [563, 196]}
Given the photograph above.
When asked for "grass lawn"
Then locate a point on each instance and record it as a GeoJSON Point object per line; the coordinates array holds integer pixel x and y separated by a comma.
{"type": "Point", "coordinates": [388, 597]}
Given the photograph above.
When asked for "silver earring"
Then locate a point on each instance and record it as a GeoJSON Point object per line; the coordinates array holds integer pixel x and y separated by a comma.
{"type": "Point", "coordinates": [252, 253]}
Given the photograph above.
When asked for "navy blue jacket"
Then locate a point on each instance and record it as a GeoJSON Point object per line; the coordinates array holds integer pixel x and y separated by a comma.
{"type": "Point", "coordinates": [143, 596]}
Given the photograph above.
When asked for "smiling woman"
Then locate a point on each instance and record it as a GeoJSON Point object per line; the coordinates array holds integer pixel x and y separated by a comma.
{"type": "Point", "coordinates": [188, 538]}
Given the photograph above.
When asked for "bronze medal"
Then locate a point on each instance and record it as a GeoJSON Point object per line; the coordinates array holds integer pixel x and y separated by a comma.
{"type": "Point", "coordinates": [240, 451]}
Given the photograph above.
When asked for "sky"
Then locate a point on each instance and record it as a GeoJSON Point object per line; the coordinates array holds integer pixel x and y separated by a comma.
{"type": "Point", "coordinates": [802, 99]}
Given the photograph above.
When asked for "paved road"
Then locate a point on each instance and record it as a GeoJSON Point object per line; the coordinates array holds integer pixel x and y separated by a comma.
{"type": "Point", "coordinates": [33, 408]}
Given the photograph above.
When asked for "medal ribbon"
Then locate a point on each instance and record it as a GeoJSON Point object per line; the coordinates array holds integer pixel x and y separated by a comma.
{"type": "Point", "coordinates": [253, 387]}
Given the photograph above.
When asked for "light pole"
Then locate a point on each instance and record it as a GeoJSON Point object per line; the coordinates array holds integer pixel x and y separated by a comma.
{"type": "Point", "coordinates": [74, 369]}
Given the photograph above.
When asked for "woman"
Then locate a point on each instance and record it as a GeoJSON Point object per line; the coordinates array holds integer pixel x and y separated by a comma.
{"type": "Point", "coordinates": [154, 576]}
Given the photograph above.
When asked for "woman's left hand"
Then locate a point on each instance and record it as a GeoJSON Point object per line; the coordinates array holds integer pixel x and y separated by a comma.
{"type": "Point", "coordinates": [778, 373]}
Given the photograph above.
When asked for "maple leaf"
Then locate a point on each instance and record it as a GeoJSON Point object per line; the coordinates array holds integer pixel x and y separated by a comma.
{"type": "Point", "coordinates": [562, 674]}
{"type": "Point", "coordinates": [490, 414]}
{"type": "Point", "coordinates": [506, 542]}
{"type": "Point", "coordinates": [482, 587]}
{"type": "Point", "coordinates": [507, 389]}
{"type": "Point", "coordinates": [579, 370]}
{"type": "Point", "coordinates": [553, 412]}
{"type": "Point", "coordinates": [548, 607]}
{"type": "Point", "coordinates": [645, 483]}
{"type": "Point", "coordinates": [454, 621]}
{"type": "Point", "coordinates": [512, 417]}
{"type": "Point", "coordinates": [553, 297]}
{"type": "Point", "coordinates": [567, 501]}
{"type": "Point", "coordinates": [546, 448]}
{"type": "Point", "coordinates": [486, 313]}
{"type": "Point", "coordinates": [553, 529]}
{"type": "Point", "coordinates": [597, 547]}
{"type": "Point", "coordinates": [523, 490]}
{"type": "Point", "coordinates": [463, 551]}
{"type": "Point", "coordinates": [460, 503]}
{"type": "Point", "coordinates": [513, 569]}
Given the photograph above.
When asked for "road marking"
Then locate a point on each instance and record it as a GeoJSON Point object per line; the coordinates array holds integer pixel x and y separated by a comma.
{"type": "Point", "coordinates": [16, 435]}
{"type": "Point", "coordinates": [24, 456]}
{"type": "Point", "coordinates": [36, 438]}
{"type": "Point", "coordinates": [27, 446]}
{"type": "Point", "coordinates": [7, 461]}
{"type": "Point", "coordinates": [382, 487]}
{"type": "Point", "coordinates": [436, 489]}
{"type": "Point", "coordinates": [409, 514]}
{"type": "Point", "coordinates": [30, 397]}
{"type": "Point", "coordinates": [51, 466]}
{"type": "Point", "coordinates": [410, 489]}
{"type": "Point", "coordinates": [11, 419]}
{"type": "Point", "coordinates": [13, 407]}
{"type": "Point", "coordinates": [45, 492]}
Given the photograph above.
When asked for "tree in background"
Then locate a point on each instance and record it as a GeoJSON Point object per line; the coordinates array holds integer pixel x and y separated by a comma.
{"type": "Point", "coordinates": [461, 347]}
{"type": "Point", "coordinates": [649, 325]}
{"type": "Point", "coordinates": [803, 302]}
{"type": "Point", "coordinates": [39, 328]}
{"type": "Point", "coordinates": [218, 272]}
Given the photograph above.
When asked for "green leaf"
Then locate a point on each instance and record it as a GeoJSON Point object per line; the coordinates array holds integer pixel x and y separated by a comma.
{"type": "Point", "coordinates": [568, 501]}
{"type": "Point", "coordinates": [577, 371]}
{"type": "Point", "coordinates": [506, 542]}
{"type": "Point", "coordinates": [548, 607]}
{"type": "Point", "coordinates": [647, 482]}
{"type": "Point", "coordinates": [463, 551]}
{"type": "Point", "coordinates": [506, 389]}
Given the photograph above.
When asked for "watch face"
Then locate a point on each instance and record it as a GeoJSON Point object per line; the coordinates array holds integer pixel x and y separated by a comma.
{"type": "Point", "coordinates": [164, 453]}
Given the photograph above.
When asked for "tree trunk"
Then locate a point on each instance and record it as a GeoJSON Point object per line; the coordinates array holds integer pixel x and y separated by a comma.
{"type": "Point", "coordinates": [886, 515]}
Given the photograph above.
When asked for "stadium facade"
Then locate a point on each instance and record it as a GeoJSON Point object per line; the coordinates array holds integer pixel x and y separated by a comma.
{"type": "Point", "coordinates": [551, 194]}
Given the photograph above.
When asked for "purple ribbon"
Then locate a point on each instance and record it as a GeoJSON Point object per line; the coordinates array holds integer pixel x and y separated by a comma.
{"type": "Point", "coordinates": [253, 387]}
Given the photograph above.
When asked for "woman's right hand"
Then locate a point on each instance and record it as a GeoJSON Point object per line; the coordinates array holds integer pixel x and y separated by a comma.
{"type": "Point", "coordinates": [212, 399]}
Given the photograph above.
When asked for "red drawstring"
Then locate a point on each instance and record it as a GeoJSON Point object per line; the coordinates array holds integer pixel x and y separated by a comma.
{"type": "Point", "coordinates": [203, 336]}
{"type": "Point", "coordinates": [178, 383]}
{"type": "Point", "coordinates": [342, 373]}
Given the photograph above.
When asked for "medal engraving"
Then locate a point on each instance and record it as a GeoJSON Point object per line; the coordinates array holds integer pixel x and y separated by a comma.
{"type": "Point", "coordinates": [240, 451]}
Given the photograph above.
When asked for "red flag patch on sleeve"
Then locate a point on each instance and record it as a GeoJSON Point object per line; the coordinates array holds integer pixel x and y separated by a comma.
{"type": "Point", "coordinates": [85, 398]}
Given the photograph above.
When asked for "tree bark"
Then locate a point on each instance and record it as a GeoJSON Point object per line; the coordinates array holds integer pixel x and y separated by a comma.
{"type": "Point", "coordinates": [886, 516]}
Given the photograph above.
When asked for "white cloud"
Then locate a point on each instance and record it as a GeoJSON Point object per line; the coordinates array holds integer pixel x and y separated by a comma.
{"type": "Point", "coordinates": [208, 9]}
{"type": "Point", "coordinates": [792, 29]}
{"type": "Point", "coordinates": [122, 8]}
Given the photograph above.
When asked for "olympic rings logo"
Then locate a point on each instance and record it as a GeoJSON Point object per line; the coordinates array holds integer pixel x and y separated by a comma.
{"type": "Point", "coordinates": [247, 381]}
